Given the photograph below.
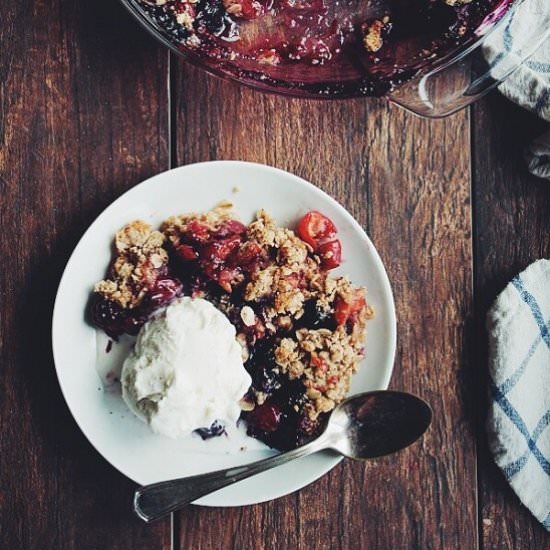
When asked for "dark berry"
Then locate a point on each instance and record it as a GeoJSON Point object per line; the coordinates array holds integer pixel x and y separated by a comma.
{"type": "Point", "coordinates": [212, 15]}
{"type": "Point", "coordinates": [265, 418]}
{"type": "Point", "coordinates": [267, 380]}
{"type": "Point", "coordinates": [165, 17]}
{"type": "Point", "coordinates": [260, 354]}
{"type": "Point", "coordinates": [316, 318]}
{"type": "Point", "coordinates": [112, 318]}
{"type": "Point", "coordinates": [216, 429]}
{"type": "Point", "coordinates": [186, 252]}
{"type": "Point", "coordinates": [307, 426]}
{"type": "Point", "coordinates": [294, 395]}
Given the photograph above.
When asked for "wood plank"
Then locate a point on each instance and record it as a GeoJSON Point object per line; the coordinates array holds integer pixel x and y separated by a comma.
{"type": "Point", "coordinates": [512, 211]}
{"type": "Point", "coordinates": [83, 116]}
{"type": "Point", "coordinates": [408, 182]}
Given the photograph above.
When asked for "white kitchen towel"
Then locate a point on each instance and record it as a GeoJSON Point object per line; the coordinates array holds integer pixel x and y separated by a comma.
{"type": "Point", "coordinates": [519, 367]}
{"type": "Point", "coordinates": [529, 85]}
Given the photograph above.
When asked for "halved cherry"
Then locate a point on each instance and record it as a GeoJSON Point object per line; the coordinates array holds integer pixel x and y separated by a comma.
{"type": "Point", "coordinates": [315, 227]}
{"type": "Point", "coordinates": [330, 253]}
{"type": "Point", "coordinates": [344, 311]}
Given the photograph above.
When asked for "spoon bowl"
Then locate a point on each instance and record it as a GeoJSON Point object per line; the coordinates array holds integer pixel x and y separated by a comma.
{"type": "Point", "coordinates": [367, 425]}
{"type": "Point", "coordinates": [377, 423]}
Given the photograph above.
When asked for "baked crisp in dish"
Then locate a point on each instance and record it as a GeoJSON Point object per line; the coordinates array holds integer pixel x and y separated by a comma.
{"type": "Point", "coordinates": [319, 47]}
{"type": "Point", "coordinates": [302, 330]}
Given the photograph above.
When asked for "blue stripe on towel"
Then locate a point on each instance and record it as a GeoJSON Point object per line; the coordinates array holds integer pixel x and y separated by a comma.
{"type": "Point", "coordinates": [508, 384]}
{"type": "Point", "coordinates": [538, 66]}
{"type": "Point", "coordinates": [507, 35]}
{"type": "Point", "coordinates": [529, 299]}
{"type": "Point", "coordinates": [516, 419]}
{"type": "Point", "coordinates": [510, 470]}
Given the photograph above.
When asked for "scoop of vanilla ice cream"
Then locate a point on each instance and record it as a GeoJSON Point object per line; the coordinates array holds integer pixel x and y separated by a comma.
{"type": "Point", "coordinates": [186, 370]}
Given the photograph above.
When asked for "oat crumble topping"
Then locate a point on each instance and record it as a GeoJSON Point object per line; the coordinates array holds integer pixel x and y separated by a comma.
{"type": "Point", "coordinates": [139, 256]}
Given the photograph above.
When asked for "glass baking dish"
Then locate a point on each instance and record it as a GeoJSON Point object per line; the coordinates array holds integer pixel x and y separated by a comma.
{"type": "Point", "coordinates": [432, 88]}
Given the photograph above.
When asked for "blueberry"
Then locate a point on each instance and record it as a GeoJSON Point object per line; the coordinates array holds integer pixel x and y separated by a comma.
{"type": "Point", "coordinates": [112, 318]}
{"type": "Point", "coordinates": [216, 429]}
{"type": "Point", "coordinates": [316, 318]}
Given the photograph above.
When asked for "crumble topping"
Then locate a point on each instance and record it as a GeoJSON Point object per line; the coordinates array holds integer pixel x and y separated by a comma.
{"type": "Point", "coordinates": [140, 256]}
{"type": "Point", "coordinates": [373, 37]}
{"type": "Point", "coordinates": [325, 360]}
{"type": "Point", "coordinates": [175, 226]}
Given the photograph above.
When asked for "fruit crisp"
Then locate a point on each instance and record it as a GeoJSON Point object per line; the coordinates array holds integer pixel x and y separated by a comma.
{"type": "Point", "coordinates": [318, 47]}
{"type": "Point", "coordinates": [302, 330]}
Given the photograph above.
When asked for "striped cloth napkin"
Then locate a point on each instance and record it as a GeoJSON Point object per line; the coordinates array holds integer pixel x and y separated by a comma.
{"type": "Point", "coordinates": [529, 85]}
{"type": "Point", "coordinates": [519, 365]}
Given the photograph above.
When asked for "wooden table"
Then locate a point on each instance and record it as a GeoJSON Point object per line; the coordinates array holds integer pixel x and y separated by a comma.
{"type": "Point", "coordinates": [89, 107]}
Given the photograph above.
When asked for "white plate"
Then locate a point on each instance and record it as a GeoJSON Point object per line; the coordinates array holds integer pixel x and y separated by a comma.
{"type": "Point", "coordinates": [79, 352]}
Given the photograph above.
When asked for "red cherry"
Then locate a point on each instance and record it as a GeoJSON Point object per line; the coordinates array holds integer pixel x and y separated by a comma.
{"type": "Point", "coordinates": [266, 417]}
{"type": "Point", "coordinates": [330, 254]}
{"type": "Point", "coordinates": [315, 227]}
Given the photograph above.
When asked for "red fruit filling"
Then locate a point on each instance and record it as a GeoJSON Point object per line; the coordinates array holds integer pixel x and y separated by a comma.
{"type": "Point", "coordinates": [115, 320]}
{"type": "Point", "coordinates": [220, 255]}
{"type": "Point", "coordinates": [345, 312]}
{"type": "Point", "coordinates": [330, 254]}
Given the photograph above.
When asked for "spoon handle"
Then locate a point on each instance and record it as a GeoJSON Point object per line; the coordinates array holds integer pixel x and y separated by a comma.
{"type": "Point", "coordinates": [158, 499]}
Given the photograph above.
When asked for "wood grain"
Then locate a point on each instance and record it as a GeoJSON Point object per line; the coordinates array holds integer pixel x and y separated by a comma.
{"type": "Point", "coordinates": [407, 181]}
{"type": "Point", "coordinates": [512, 212]}
{"type": "Point", "coordinates": [83, 116]}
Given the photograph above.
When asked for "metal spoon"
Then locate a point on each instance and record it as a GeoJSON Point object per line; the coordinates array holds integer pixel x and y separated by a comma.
{"type": "Point", "coordinates": [364, 426]}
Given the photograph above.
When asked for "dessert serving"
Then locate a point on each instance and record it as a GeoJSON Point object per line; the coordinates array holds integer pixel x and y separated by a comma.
{"type": "Point", "coordinates": [206, 293]}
